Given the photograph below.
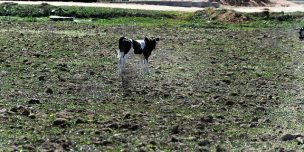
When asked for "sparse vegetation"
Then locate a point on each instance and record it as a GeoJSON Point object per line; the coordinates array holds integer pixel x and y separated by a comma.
{"type": "Point", "coordinates": [244, 2]}
{"type": "Point", "coordinates": [44, 10]}
{"type": "Point", "coordinates": [214, 84]}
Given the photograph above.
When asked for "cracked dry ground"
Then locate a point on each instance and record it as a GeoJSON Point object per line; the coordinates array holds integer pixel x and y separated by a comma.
{"type": "Point", "coordinates": [208, 89]}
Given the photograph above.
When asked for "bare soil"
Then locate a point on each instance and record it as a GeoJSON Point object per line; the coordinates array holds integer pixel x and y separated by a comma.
{"type": "Point", "coordinates": [208, 88]}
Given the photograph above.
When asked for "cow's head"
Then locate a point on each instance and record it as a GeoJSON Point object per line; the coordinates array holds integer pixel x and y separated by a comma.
{"type": "Point", "coordinates": [301, 32]}
{"type": "Point", "coordinates": [151, 42]}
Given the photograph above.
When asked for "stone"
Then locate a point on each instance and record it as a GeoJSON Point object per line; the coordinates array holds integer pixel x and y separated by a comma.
{"type": "Point", "coordinates": [60, 122]}
{"type": "Point", "coordinates": [287, 137]}
{"type": "Point", "coordinates": [34, 101]}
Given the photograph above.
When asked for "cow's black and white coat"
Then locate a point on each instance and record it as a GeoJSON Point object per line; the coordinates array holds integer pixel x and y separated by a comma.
{"type": "Point", "coordinates": [142, 48]}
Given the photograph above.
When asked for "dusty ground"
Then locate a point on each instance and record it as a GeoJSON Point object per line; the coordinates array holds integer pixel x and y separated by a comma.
{"type": "Point", "coordinates": [209, 89]}
{"type": "Point", "coordinates": [275, 6]}
{"type": "Point", "coordinates": [280, 5]}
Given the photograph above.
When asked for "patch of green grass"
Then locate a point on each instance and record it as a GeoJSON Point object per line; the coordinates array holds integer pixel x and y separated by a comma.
{"type": "Point", "coordinates": [139, 21]}
{"type": "Point", "coordinates": [79, 12]}
{"type": "Point", "coordinates": [198, 70]}
{"type": "Point", "coordinates": [208, 18]}
{"type": "Point", "coordinates": [248, 25]}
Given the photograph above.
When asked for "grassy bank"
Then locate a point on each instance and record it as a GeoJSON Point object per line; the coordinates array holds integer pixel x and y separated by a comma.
{"type": "Point", "coordinates": [44, 10]}
{"type": "Point", "coordinates": [208, 18]}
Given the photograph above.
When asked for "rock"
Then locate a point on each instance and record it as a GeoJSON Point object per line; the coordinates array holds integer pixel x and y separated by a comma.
{"type": "Point", "coordinates": [201, 125]}
{"type": "Point", "coordinates": [34, 101]}
{"type": "Point", "coordinates": [265, 36]}
{"type": "Point", "coordinates": [201, 149]}
{"type": "Point", "coordinates": [134, 127]}
{"type": "Point", "coordinates": [62, 67]}
{"type": "Point", "coordinates": [37, 55]}
{"type": "Point", "coordinates": [287, 137]}
{"type": "Point", "coordinates": [227, 81]}
{"type": "Point", "coordinates": [253, 124]}
{"type": "Point", "coordinates": [300, 140]}
{"type": "Point", "coordinates": [229, 103]}
{"type": "Point", "coordinates": [97, 132]}
{"type": "Point", "coordinates": [24, 112]}
{"type": "Point", "coordinates": [249, 95]}
{"type": "Point", "coordinates": [298, 135]}
{"type": "Point", "coordinates": [114, 125]}
{"type": "Point", "coordinates": [41, 78]}
{"type": "Point", "coordinates": [157, 72]}
{"type": "Point", "coordinates": [60, 122]}
{"type": "Point", "coordinates": [3, 110]}
{"type": "Point", "coordinates": [32, 116]}
{"type": "Point", "coordinates": [79, 121]}
{"type": "Point", "coordinates": [192, 138]}
{"type": "Point", "coordinates": [14, 109]}
{"type": "Point", "coordinates": [127, 116]}
{"type": "Point", "coordinates": [176, 129]}
{"type": "Point", "coordinates": [234, 94]}
{"type": "Point", "coordinates": [242, 103]}
{"type": "Point", "coordinates": [261, 82]}
{"type": "Point", "coordinates": [279, 149]}
{"type": "Point", "coordinates": [126, 125]}
{"type": "Point", "coordinates": [181, 69]}
{"type": "Point", "coordinates": [244, 125]}
{"type": "Point", "coordinates": [106, 142]}
{"type": "Point", "coordinates": [21, 110]}
{"type": "Point", "coordinates": [2, 73]}
{"type": "Point", "coordinates": [142, 149]}
{"type": "Point", "coordinates": [61, 78]}
{"type": "Point", "coordinates": [49, 91]}
{"type": "Point", "coordinates": [260, 109]}
{"type": "Point", "coordinates": [207, 119]}
{"type": "Point", "coordinates": [92, 73]}
{"type": "Point", "coordinates": [255, 119]}
{"type": "Point", "coordinates": [102, 142]}
{"type": "Point", "coordinates": [166, 95]}
{"type": "Point", "coordinates": [267, 120]}
{"type": "Point", "coordinates": [229, 73]}
{"type": "Point", "coordinates": [67, 145]}
{"type": "Point", "coordinates": [64, 114]}
{"type": "Point", "coordinates": [266, 137]}
{"type": "Point", "coordinates": [153, 142]}
{"type": "Point", "coordinates": [204, 143]}
{"type": "Point", "coordinates": [174, 139]}
{"type": "Point", "coordinates": [220, 149]}
{"type": "Point", "coordinates": [270, 97]}
{"type": "Point", "coordinates": [220, 117]}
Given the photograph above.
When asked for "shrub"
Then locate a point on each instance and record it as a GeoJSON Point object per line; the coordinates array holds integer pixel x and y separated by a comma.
{"type": "Point", "coordinates": [44, 10]}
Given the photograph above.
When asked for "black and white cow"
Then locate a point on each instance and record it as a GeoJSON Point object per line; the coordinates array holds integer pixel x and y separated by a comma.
{"type": "Point", "coordinates": [142, 48]}
{"type": "Point", "coordinates": [301, 32]}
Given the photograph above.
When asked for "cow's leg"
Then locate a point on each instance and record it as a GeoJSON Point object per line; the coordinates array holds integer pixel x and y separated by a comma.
{"type": "Point", "coordinates": [145, 62]}
{"type": "Point", "coordinates": [141, 64]}
{"type": "Point", "coordinates": [121, 62]}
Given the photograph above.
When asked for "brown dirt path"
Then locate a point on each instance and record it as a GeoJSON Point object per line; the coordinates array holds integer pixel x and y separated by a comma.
{"type": "Point", "coordinates": [277, 6]}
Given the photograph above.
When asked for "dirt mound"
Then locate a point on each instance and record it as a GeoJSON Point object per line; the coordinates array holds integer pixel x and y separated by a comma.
{"type": "Point", "coordinates": [228, 16]}
{"type": "Point", "coordinates": [232, 16]}
{"type": "Point", "coordinates": [244, 2]}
